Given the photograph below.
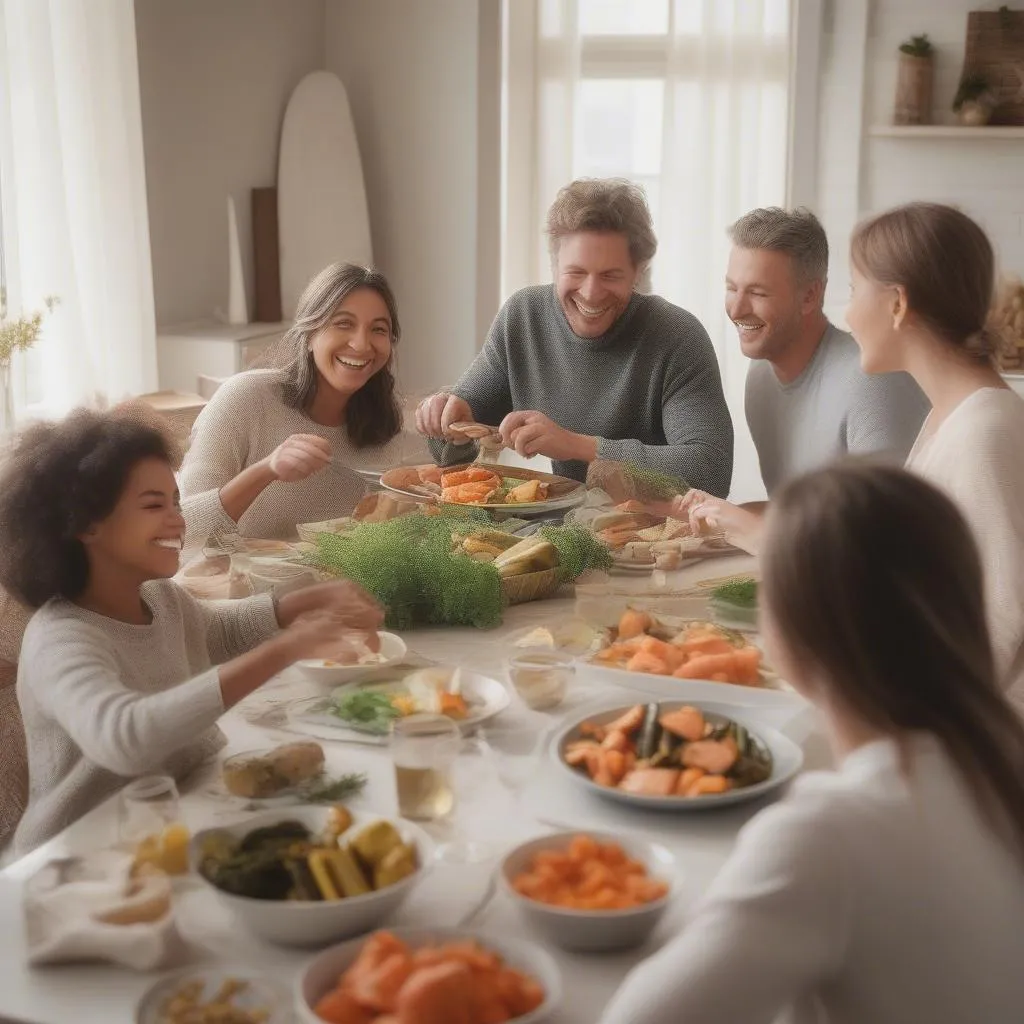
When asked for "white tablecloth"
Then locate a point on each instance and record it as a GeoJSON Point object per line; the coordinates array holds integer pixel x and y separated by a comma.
{"type": "Point", "coordinates": [701, 842]}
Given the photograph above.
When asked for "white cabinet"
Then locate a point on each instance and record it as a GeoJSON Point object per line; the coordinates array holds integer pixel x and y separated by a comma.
{"type": "Point", "coordinates": [210, 349]}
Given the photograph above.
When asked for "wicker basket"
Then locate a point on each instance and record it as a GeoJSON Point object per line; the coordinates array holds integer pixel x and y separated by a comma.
{"type": "Point", "coordinates": [531, 586]}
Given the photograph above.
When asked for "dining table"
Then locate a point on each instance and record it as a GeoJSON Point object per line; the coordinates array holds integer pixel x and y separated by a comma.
{"type": "Point", "coordinates": [486, 811]}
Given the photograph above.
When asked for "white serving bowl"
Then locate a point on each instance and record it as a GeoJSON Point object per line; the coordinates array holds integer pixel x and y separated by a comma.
{"type": "Point", "coordinates": [323, 972]}
{"type": "Point", "coordinates": [315, 922]}
{"type": "Point", "coordinates": [392, 648]}
{"type": "Point", "coordinates": [592, 931]}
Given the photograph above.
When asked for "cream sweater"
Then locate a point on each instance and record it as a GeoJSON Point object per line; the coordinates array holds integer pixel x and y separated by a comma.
{"type": "Point", "coordinates": [975, 455]}
{"type": "Point", "coordinates": [243, 423]}
{"type": "Point", "coordinates": [103, 701]}
{"type": "Point", "coordinates": [861, 898]}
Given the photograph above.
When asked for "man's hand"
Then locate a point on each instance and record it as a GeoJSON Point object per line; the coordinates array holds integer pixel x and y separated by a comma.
{"type": "Point", "coordinates": [434, 415]}
{"type": "Point", "coordinates": [707, 514]}
{"type": "Point", "coordinates": [532, 433]}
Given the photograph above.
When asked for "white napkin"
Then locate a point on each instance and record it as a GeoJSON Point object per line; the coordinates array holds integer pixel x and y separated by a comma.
{"type": "Point", "coordinates": [90, 908]}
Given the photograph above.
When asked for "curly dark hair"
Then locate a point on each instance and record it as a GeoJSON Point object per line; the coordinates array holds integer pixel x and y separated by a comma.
{"type": "Point", "coordinates": [373, 415]}
{"type": "Point", "coordinates": [58, 480]}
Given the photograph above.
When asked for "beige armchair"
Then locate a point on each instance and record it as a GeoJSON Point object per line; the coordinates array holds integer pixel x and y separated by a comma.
{"type": "Point", "coordinates": [13, 754]}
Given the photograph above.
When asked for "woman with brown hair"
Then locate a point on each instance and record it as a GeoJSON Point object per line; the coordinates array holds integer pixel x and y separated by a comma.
{"type": "Point", "coordinates": [890, 890]}
{"type": "Point", "coordinates": [276, 447]}
{"type": "Point", "coordinates": [923, 279]}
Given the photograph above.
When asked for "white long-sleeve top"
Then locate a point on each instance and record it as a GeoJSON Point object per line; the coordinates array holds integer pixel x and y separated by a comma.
{"type": "Point", "coordinates": [103, 701]}
{"type": "Point", "coordinates": [976, 456]}
{"type": "Point", "coordinates": [863, 897]}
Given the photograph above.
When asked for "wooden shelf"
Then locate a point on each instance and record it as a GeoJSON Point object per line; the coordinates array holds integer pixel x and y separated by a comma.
{"type": "Point", "coordinates": [946, 131]}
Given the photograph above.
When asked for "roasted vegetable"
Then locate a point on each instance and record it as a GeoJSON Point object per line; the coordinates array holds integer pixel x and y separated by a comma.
{"type": "Point", "coordinates": [258, 874]}
{"type": "Point", "coordinates": [304, 885]}
{"type": "Point", "coordinates": [284, 833]}
{"type": "Point", "coordinates": [337, 874]}
{"type": "Point", "coordinates": [533, 554]}
{"type": "Point", "coordinates": [398, 863]}
{"type": "Point", "coordinates": [374, 842]}
{"type": "Point", "coordinates": [650, 733]}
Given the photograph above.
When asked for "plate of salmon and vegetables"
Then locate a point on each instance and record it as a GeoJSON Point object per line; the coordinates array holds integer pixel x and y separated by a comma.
{"type": "Point", "coordinates": [670, 755]}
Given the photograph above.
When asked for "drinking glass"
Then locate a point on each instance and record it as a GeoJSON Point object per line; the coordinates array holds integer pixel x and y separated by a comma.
{"type": "Point", "coordinates": [423, 750]}
{"type": "Point", "coordinates": [515, 746]}
{"type": "Point", "coordinates": [149, 821]}
{"type": "Point", "coordinates": [541, 677]}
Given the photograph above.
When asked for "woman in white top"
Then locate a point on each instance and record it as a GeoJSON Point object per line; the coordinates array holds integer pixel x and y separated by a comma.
{"type": "Point", "coordinates": [890, 891]}
{"type": "Point", "coordinates": [277, 447]}
{"type": "Point", "coordinates": [123, 673]}
{"type": "Point", "coordinates": [923, 279]}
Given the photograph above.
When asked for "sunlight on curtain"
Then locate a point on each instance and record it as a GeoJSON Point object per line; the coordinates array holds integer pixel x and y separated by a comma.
{"type": "Point", "coordinates": [74, 198]}
{"type": "Point", "coordinates": [689, 98]}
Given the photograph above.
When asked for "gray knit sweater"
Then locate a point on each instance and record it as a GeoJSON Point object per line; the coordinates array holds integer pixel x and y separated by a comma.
{"type": "Point", "coordinates": [649, 390]}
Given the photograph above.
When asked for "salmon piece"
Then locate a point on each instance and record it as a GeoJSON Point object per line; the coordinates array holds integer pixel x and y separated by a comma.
{"type": "Point", "coordinates": [377, 948]}
{"type": "Point", "coordinates": [633, 623]}
{"type": "Point", "coordinates": [704, 666]}
{"type": "Point", "coordinates": [467, 494]}
{"type": "Point", "coordinates": [670, 654]}
{"type": "Point", "coordinates": [429, 475]}
{"type": "Point", "coordinates": [341, 1007]}
{"type": "Point", "coordinates": [710, 643]}
{"type": "Point", "coordinates": [714, 756]}
{"type": "Point", "coordinates": [437, 995]}
{"type": "Point", "coordinates": [651, 781]}
{"type": "Point", "coordinates": [710, 784]}
{"type": "Point", "coordinates": [379, 988]}
{"type": "Point", "coordinates": [687, 778]}
{"type": "Point", "coordinates": [475, 475]}
{"type": "Point", "coordinates": [643, 661]}
{"type": "Point", "coordinates": [628, 722]}
{"type": "Point", "coordinates": [686, 722]}
{"type": "Point", "coordinates": [472, 955]}
{"type": "Point", "coordinates": [520, 994]}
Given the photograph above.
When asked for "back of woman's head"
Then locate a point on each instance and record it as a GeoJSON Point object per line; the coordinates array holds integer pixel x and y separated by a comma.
{"type": "Point", "coordinates": [58, 480]}
{"type": "Point", "coordinates": [943, 260]}
{"type": "Point", "coordinates": [873, 584]}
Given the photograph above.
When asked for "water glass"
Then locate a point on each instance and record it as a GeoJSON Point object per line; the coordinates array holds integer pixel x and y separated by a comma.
{"type": "Point", "coordinates": [423, 750]}
{"type": "Point", "coordinates": [515, 747]}
{"type": "Point", "coordinates": [541, 677]}
{"type": "Point", "coordinates": [149, 820]}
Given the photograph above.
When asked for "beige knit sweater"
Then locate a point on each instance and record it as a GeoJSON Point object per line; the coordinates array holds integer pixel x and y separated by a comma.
{"type": "Point", "coordinates": [243, 423]}
{"type": "Point", "coordinates": [975, 455]}
{"type": "Point", "coordinates": [104, 701]}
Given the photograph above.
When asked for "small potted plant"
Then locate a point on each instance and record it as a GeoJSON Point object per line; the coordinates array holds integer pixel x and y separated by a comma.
{"type": "Point", "coordinates": [974, 100]}
{"type": "Point", "coordinates": [15, 336]}
{"type": "Point", "coordinates": [914, 81]}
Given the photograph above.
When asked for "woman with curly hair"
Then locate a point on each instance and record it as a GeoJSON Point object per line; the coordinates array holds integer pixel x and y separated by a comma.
{"type": "Point", "coordinates": [280, 446]}
{"type": "Point", "coordinates": [123, 673]}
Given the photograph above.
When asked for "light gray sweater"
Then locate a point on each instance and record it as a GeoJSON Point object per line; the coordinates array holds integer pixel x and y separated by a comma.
{"type": "Point", "coordinates": [103, 701]}
{"type": "Point", "coordinates": [649, 390]}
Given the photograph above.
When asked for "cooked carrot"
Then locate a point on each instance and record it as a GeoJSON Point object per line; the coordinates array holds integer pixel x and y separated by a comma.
{"type": "Point", "coordinates": [576, 754]}
{"type": "Point", "coordinates": [714, 756]}
{"type": "Point", "coordinates": [671, 655]}
{"type": "Point", "coordinates": [643, 661]}
{"type": "Point", "coordinates": [710, 643]}
{"type": "Point", "coordinates": [685, 722]}
{"type": "Point", "coordinates": [628, 722]}
{"type": "Point", "coordinates": [710, 784]}
{"type": "Point", "coordinates": [633, 623]}
{"type": "Point", "coordinates": [614, 763]}
{"type": "Point", "coordinates": [687, 778]}
{"type": "Point", "coordinates": [615, 740]}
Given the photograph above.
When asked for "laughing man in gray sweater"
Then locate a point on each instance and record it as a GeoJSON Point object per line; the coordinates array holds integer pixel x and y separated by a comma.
{"type": "Point", "coordinates": [591, 368]}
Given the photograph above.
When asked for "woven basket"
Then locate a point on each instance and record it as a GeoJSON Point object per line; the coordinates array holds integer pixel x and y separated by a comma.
{"type": "Point", "coordinates": [531, 586]}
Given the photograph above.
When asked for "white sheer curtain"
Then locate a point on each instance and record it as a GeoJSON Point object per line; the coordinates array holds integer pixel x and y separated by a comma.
{"type": "Point", "coordinates": [74, 199]}
{"type": "Point", "coordinates": [690, 98]}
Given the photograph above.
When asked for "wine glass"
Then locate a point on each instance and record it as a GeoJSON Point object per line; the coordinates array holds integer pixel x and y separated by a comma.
{"type": "Point", "coordinates": [515, 745]}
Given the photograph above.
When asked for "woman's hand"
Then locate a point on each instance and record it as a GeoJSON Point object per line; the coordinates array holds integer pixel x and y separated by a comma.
{"type": "Point", "coordinates": [708, 514]}
{"type": "Point", "coordinates": [326, 634]}
{"type": "Point", "coordinates": [436, 414]}
{"type": "Point", "coordinates": [346, 601]}
{"type": "Point", "coordinates": [298, 457]}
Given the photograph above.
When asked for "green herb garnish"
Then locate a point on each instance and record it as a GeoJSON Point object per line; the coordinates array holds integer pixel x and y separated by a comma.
{"type": "Point", "coordinates": [333, 790]}
{"type": "Point", "coordinates": [578, 550]}
{"type": "Point", "coordinates": [741, 593]}
{"type": "Point", "coordinates": [369, 708]}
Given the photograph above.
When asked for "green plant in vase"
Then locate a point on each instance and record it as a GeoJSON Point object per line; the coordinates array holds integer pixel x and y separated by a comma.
{"type": "Point", "coordinates": [974, 100]}
{"type": "Point", "coordinates": [917, 46]}
{"type": "Point", "coordinates": [17, 336]}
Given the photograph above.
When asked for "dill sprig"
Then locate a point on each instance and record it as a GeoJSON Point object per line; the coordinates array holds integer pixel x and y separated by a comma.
{"type": "Point", "coordinates": [333, 790]}
{"type": "Point", "coordinates": [741, 593]}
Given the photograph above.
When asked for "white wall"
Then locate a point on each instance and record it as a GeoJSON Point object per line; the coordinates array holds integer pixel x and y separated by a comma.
{"type": "Point", "coordinates": [859, 175]}
{"type": "Point", "coordinates": [420, 78]}
{"type": "Point", "coordinates": [215, 76]}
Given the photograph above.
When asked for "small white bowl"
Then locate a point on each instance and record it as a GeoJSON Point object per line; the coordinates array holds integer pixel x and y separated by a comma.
{"type": "Point", "coordinates": [323, 973]}
{"type": "Point", "coordinates": [314, 922]}
{"type": "Point", "coordinates": [592, 931]}
{"type": "Point", "coordinates": [392, 649]}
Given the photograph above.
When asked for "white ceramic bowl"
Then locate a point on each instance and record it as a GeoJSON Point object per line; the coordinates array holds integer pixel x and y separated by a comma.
{"type": "Point", "coordinates": [392, 649]}
{"type": "Point", "coordinates": [323, 973]}
{"type": "Point", "coordinates": [592, 931]}
{"type": "Point", "coordinates": [787, 760]}
{"type": "Point", "coordinates": [315, 923]}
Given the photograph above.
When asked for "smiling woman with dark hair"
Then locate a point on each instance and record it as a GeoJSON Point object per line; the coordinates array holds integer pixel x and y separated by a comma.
{"type": "Point", "coordinates": [122, 672]}
{"type": "Point", "coordinates": [280, 446]}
